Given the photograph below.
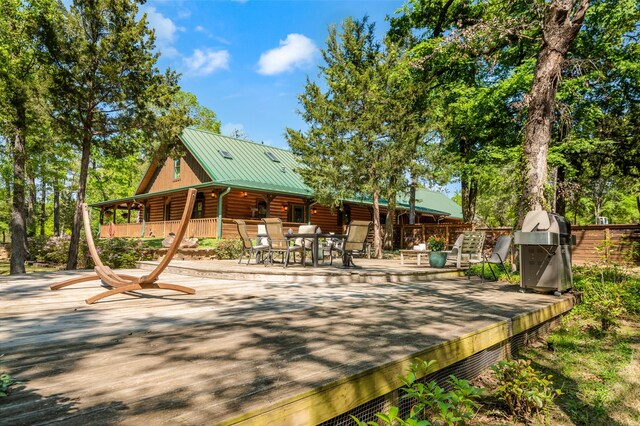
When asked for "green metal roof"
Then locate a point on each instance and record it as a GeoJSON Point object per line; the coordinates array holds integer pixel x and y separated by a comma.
{"type": "Point", "coordinates": [249, 165]}
{"type": "Point", "coordinates": [246, 165]}
{"type": "Point", "coordinates": [435, 201]}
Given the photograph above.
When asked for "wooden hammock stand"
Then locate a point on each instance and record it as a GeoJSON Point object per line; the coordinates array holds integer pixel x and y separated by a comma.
{"type": "Point", "coordinates": [125, 283]}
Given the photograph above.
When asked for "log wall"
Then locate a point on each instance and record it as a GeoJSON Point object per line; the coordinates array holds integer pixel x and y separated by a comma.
{"type": "Point", "coordinates": [191, 173]}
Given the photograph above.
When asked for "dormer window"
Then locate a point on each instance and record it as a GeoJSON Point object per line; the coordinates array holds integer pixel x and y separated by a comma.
{"type": "Point", "coordinates": [176, 168]}
{"type": "Point", "coordinates": [225, 154]}
{"type": "Point", "coordinates": [272, 157]}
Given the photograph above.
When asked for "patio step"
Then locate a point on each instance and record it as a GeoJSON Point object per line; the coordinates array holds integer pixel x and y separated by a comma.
{"type": "Point", "coordinates": [370, 271]}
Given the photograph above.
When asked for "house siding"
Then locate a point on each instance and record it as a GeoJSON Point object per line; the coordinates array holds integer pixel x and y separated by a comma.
{"type": "Point", "coordinates": [191, 173]}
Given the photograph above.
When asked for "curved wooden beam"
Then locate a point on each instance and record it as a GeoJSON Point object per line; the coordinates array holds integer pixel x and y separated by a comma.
{"type": "Point", "coordinates": [74, 281]}
{"type": "Point", "coordinates": [137, 286]}
{"type": "Point", "coordinates": [124, 283]}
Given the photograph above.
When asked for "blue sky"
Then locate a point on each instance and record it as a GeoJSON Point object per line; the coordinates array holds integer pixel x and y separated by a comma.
{"type": "Point", "coordinates": [249, 60]}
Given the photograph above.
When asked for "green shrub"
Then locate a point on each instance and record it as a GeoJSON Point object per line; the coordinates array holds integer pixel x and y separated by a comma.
{"type": "Point", "coordinates": [228, 249]}
{"type": "Point", "coordinates": [36, 246]}
{"type": "Point", "coordinates": [524, 390]}
{"type": "Point", "coordinates": [607, 294]}
{"type": "Point", "coordinates": [121, 253]}
{"type": "Point", "coordinates": [6, 381]}
{"type": "Point", "coordinates": [432, 405]}
{"type": "Point", "coordinates": [56, 250]}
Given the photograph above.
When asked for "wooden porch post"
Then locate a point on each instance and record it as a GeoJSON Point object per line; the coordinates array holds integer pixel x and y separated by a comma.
{"type": "Point", "coordinates": [144, 219]}
{"type": "Point", "coordinates": [268, 198]}
{"type": "Point", "coordinates": [308, 204]}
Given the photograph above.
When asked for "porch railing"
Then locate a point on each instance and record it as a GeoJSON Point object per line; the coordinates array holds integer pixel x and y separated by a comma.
{"type": "Point", "coordinates": [199, 228]}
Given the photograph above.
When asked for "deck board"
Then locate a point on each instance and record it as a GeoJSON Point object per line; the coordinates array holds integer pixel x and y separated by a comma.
{"type": "Point", "coordinates": [234, 347]}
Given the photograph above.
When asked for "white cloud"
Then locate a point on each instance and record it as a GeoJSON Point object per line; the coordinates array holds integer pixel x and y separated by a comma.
{"type": "Point", "coordinates": [165, 31]}
{"type": "Point", "coordinates": [204, 62]}
{"type": "Point", "coordinates": [199, 29]}
{"type": "Point", "coordinates": [295, 51]}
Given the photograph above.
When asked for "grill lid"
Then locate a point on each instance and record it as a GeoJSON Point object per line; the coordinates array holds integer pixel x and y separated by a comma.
{"type": "Point", "coordinates": [536, 220]}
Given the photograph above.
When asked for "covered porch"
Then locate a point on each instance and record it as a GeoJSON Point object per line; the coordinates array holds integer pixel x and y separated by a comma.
{"type": "Point", "coordinates": [157, 214]}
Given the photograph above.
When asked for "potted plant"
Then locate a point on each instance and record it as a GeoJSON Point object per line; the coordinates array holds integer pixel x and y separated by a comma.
{"type": "Point", "coordinates": [437, 257]}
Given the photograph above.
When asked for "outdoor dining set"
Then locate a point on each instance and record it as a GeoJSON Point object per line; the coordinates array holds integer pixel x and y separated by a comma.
{"type": "Point", "coordinates": [272, 240]}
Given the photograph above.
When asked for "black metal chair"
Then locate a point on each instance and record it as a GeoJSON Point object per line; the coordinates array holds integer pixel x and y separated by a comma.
{"type": "Point", "coordinates": [247, 243]}
{"type": "Point", "coordinates": [355, 242]}
{"type": "Point", "coordinates": [498, 255]}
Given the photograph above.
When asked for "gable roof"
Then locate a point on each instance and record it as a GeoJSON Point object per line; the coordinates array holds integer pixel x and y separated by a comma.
{"type": "Point", "coordinates": [240, 163]}
{"type": "Point", "coordinates": [249, 165]}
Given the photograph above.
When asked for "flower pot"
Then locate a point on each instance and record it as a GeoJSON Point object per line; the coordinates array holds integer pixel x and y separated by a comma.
{"type": "Point", "coordinates": [437, 259]}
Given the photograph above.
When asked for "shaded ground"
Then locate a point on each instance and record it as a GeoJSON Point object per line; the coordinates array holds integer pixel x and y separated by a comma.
{"type": "Point", "coordinates": [598, 375]}
{"type": "Point", "coordinates": [235, 346]}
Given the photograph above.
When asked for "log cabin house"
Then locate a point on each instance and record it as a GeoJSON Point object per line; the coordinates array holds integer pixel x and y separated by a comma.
{"type": "Point", "coordinates": [240, 179]}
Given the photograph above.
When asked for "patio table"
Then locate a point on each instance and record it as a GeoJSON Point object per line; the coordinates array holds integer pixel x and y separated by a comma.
{"type": "Point", "coordinates": [315, 245]}
{"type": "Point", "coordinates": [417, 253]}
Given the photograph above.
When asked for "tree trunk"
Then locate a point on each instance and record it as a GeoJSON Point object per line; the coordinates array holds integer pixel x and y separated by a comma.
{"type": "Point", "coordinates": [469, 193]}
{"type": "Point", "coordinates": [561, 200]}
{"type": "Point", "coordinates": [412, 200]}
{"type": "Point", "coordinates": [18, 224]}
{"type": "Point", "coordinates": [391, 218]}
{"type": "Point", "coordinates": [377, 241]}
{"type": "Point", "coordinates": [56, 209]}
{"type": "Point", "coordinates": [32, 202]}
{"type": "Point", "coordinates": [43, 208]}
{"type": "Point", "coordinates": [559, 30]}
{"type": "Point", "coordinates": [72, 262]}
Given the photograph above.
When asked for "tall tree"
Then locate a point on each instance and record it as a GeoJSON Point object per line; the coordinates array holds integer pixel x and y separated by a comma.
{"type": "Point", "coordinates": [561, 24]}
{"type": "Point", "coordinates": [19, 66]}
{"type": "Point", "coordinates": [342, 147]}
{"type": "Point", "coordinates": [105, 82]}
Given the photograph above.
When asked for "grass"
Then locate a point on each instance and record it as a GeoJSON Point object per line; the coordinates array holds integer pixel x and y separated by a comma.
{"type": "Point", "coordinates": [4, 268]}
{"type": "Point", "coordinates": [598, 372]}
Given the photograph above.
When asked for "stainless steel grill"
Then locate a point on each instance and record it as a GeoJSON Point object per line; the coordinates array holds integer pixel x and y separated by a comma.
{"type": "Point", "coordinates": [545, 252]}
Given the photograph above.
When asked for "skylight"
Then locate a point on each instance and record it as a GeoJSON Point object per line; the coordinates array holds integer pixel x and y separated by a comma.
{"type": "Point", "coordinates": [272, 157]}
{"type": "Point", "coordinates": [225, 154]}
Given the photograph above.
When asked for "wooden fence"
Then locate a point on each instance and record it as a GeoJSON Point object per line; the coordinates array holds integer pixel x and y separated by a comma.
{"type": "Point", "coordinates": [594, 243]}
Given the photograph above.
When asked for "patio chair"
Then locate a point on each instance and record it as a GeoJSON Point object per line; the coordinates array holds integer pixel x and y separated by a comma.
{"type": "Point", "coordinates": [470, 250]}
{"type": "Point", "coordinates": [278, 243]}
{"type": "Point", "coordinates": [452, 255]}
{"type": "Point", "coordinates": [247, 243]}
{"type": "Point", "coordinates": [306, 243]}
{"type": "Point", "coordinates": [498, 255]}
{"type": "Point", "coordinates": [355, 242]}
{"type": "Point", "coordinates": [126, 283]}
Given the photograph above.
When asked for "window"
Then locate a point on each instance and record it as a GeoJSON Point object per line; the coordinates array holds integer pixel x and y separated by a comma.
{"type": "Point", "coordinates": [225, 154]}
{"type": "Point", "coordinates": [147, 213]}
{"type": "Point", "coordinates": [272, 157]}
{"type": "Point", "coordinates": [262, 209]}
{"type": "Point", "coordinates": [295, 213]}
{"type": "Point", "coordinates": [176, 168]}
{"type": "Point", "coordinates": [167, 211]}
{"type": "Point", "coordinates": [344, 216]}
{"type": "Point", "coordinates": [198, 208]}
